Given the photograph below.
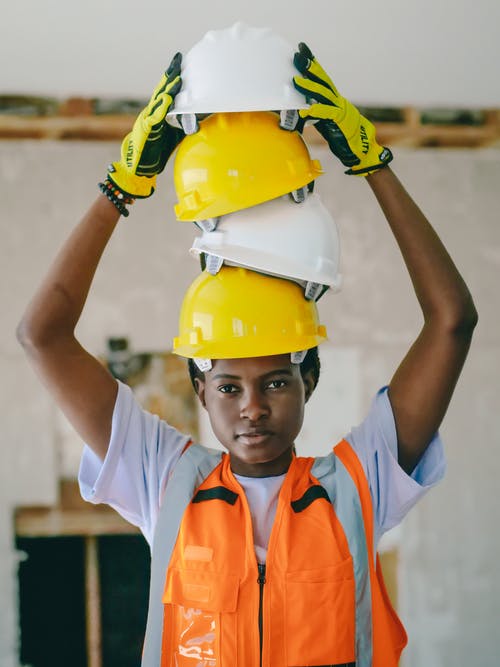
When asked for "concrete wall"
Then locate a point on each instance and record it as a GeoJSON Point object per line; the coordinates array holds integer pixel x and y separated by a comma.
{"type": "Point", "coordinates": [449, 545]}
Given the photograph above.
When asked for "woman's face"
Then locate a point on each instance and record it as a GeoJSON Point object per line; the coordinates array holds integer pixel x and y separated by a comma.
{"type": "Point", "coordinates": [256, 409]}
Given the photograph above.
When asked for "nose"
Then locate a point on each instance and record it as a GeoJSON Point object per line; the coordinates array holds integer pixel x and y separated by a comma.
{"type": "Point", "coordinates": [253, 405]}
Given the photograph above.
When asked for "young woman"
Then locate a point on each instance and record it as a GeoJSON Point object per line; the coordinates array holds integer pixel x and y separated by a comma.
{"type": "Point", "coordinates": [260, 557]}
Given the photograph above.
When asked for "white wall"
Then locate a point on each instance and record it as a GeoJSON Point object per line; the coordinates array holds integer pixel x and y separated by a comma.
{"type": "Point", "coordinates": [387, 52]}
{"type": "Point", "coordinates": [450, 546]}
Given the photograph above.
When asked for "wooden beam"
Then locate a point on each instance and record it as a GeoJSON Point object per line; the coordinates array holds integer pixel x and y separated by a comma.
{"type": "Point", "coordinates": [93, 603]}
{"type": "Point", "coordinates": [71, 516]}
{"type": "Point", "coordinates": [51, 522]}
{"type": "Point", "coordinates": [91, 127]}
{"type": "Point", "coordinates": [413, 135]}
{"type": "Point", "coordinates": [86, 128]}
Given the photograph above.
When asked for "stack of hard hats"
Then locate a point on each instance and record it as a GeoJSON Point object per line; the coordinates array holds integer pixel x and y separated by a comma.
{"type": "Point", "coordinates": [243, 174]}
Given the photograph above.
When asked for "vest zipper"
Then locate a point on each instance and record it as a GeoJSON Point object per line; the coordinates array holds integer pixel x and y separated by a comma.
{"type": "Point", "coordinates": [261, 581]}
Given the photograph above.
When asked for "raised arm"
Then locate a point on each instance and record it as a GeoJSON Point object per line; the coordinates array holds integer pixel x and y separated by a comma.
{"type": "Point", "coordinates": [79, 384]}
{"type": "Point", "coordinates": [423, 384]}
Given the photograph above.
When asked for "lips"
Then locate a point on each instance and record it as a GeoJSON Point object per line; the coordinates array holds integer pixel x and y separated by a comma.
{"type": "Point", "coordinates": [253, 437]}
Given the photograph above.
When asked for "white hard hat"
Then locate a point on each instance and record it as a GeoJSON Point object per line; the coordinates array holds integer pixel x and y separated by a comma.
{"type": "Point", "coordinates": [278, 237]}
{"type": "Point", "coordinates": [240, 68]}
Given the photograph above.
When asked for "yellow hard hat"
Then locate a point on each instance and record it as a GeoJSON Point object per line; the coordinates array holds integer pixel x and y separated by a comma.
{"type": "Point", "coordinates": [241, 313]}
{"type": "Point", "coordinates": [236, 160]}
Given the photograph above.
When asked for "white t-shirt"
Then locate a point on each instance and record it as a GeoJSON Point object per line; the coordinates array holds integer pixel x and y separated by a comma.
{"type": "Point", "coordinates": [143, 451]}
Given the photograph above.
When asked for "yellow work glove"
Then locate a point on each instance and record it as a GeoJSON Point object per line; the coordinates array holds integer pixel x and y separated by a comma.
{"type": "Point", "coordinates": [350, 135]}
{"type": "Point", "coordinates": [145, 150]}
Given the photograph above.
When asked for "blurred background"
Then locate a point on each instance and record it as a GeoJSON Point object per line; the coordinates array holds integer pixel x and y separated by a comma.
{"type": "Point", "coordinates": [73, 578]}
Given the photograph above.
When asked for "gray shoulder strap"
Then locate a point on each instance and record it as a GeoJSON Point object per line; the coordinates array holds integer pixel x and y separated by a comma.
{"type": "Point", "coordinates": [193, 467]}
{"type": "Point", "coordinates": [344, 496]}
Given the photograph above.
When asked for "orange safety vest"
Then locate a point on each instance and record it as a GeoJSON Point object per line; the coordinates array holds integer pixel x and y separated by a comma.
{"type": "Point", "coordinates": [319, 600]}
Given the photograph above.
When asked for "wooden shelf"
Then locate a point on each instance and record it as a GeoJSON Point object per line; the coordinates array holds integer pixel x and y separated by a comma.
{"type": "Point", "coordinates": [71, 517]}
{"type": "Point", "coordinates": [57, 522]}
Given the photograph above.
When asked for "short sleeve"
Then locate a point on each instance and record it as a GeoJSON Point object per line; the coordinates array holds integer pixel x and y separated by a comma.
{"type": "Point", "coordinates": [142, 452]}
{"type": "Point", "coordinates": [393, 492]}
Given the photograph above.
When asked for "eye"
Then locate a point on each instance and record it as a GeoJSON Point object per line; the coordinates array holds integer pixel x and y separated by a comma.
{"type": "Point", "coordinates": [276, 384]}
{"type": "Point", "coordinates": [227, 388]}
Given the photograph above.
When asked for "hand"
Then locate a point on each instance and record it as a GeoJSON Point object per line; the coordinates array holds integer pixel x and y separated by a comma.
{"type": "Point", "coordinates": [350, 135]}
{"type": "Point", "coordinates": [145, 150]}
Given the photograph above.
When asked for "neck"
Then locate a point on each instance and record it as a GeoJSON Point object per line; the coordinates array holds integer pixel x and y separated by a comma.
{"type": "Point", "coordinates": [273, 468]}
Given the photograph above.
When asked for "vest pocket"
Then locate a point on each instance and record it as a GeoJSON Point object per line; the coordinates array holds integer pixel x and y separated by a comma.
{"type": "Point", "coordinates": [194, 602]}
{"type": "Point", "coordinates": [320, 611]}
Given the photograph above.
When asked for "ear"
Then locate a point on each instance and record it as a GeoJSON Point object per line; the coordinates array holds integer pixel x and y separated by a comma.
{"type": "Point", "coordinates": [200, 390]}
{"type": "Point", "coordinates": [309, 384]}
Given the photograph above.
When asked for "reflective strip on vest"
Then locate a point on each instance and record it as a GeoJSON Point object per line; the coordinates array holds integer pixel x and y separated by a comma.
{"type": "Point", "coordinates": [193, 467]}
{"type": "Point", "coordinates": [333, 476]}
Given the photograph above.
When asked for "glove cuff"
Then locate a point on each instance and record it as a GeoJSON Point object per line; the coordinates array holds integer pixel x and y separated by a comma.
{"type": "Point", "coordinates": [138, 187]}
{"type": "Point", "coordinates": [385, 156]}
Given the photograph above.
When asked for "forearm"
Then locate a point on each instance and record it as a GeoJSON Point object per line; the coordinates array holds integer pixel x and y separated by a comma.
{"type": "Point", "coordinates": [439, 287]}
{"type": "Point", "coordinates": [57, 305]}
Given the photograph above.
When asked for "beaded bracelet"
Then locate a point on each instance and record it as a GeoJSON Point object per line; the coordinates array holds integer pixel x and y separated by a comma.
{"type": "Point", "coordinates": [116, 196]}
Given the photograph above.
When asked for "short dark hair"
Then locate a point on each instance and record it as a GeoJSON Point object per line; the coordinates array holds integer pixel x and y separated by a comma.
{"type": "Point", "coordinates": [311, 363]}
